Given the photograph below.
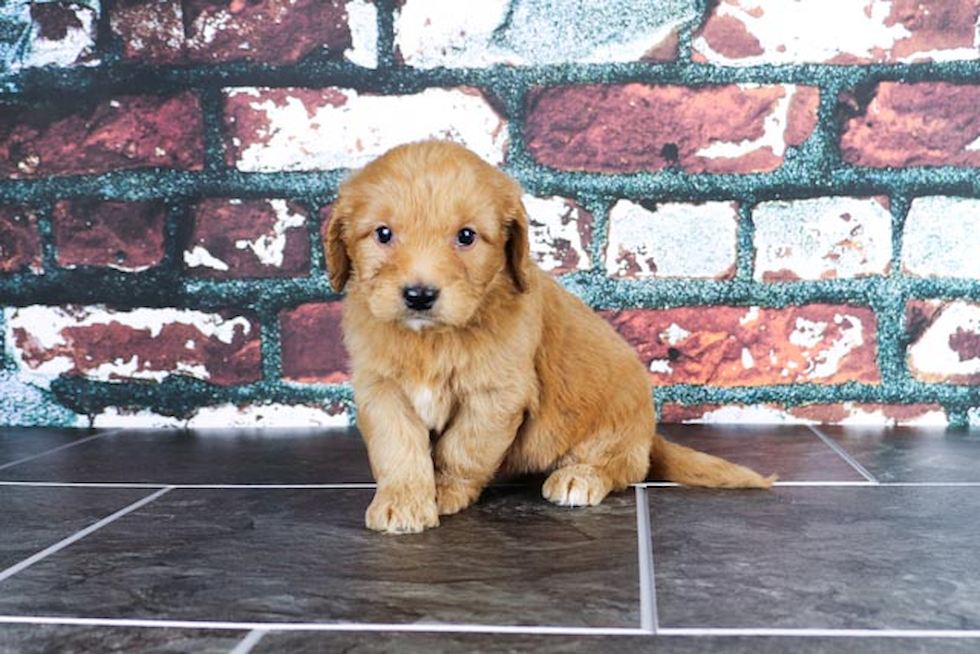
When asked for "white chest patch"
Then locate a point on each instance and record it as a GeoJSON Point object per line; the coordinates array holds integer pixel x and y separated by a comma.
{"type": "Point", "coordinates": [428, 407]}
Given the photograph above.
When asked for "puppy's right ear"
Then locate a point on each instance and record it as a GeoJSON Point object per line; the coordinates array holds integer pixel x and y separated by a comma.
{"type": "Point", "coordinates": [338, 260]}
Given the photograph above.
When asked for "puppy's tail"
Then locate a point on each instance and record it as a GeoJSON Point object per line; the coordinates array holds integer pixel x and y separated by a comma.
{"type": "Point", "coordinates": [673, 462]}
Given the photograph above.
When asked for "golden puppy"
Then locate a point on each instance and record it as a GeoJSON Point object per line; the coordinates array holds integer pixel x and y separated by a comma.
{"type": "Point", "coordinates": [469, 361]}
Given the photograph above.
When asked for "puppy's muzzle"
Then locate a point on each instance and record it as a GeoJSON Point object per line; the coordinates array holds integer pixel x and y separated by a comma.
{"type": "Point", "coordinates": [420, 298]}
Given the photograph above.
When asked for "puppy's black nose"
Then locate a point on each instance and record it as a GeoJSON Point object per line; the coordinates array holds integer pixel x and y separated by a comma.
{"type": "Point", "coordinates": [420, 298]}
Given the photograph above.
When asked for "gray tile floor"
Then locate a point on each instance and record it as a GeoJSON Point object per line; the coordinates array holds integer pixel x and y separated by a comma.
{"type": "Point", "coordinates": [252, 541]}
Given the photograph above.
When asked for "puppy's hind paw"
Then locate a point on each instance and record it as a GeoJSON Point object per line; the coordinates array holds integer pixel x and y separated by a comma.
{"type": "Point", "coordinates": [454, 495]}
{"type": "Point", "coordinates": [576, 485]}
{"type": "Point", "coordinates": [401, 512]}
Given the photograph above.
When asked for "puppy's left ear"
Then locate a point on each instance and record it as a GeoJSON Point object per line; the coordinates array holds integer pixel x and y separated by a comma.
{"type": "Point", "coordinates": [338, 260]}
{"type": "Point", "coordinates": [517, 247]}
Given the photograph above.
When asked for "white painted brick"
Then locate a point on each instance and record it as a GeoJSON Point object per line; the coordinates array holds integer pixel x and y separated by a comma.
{"type": "Point", "coordinates": [816, 31]}
{"type": "Point", "coordinates": [949, 347]}
{"type": "Point", "coordinates": [24, 404]}
{"type": "Point", "coordinates": [849, 414]}
{"type": "Point", "coordinates": [859, 415]}
{"type": "Point", "coordinates": [226, 416]}
{"type": "Point", "coordinates": [942, 238]}
{"type": "Point", "coordinates": [362, 18]}
{"type": "Point", "coordinates": [278, 415]}
{"type": "Point", "coordinates": [675, 240]}
{"type": "Point", "coordinates": [435, 33]}
{"type": "Point", "coordinates": [122, 418]}
{"type": "Point", "coordinates": [345, 129]}
{"type": "Point", "coordinates": [76, 46]}
{"type": "Point", "coordinates": [822, 238]}
{"type": "Point", "coordinates": [560, 232]}
{"type": "Point", "coordinates": [749, 414]}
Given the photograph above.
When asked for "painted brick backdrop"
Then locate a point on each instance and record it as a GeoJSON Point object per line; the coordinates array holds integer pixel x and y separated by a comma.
{"type": "Point", "coordinates": [777, 203]}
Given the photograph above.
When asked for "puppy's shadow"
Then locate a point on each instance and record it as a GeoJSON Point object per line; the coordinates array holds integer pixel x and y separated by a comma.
{"type": "Point", "coordinates": [518, 500]}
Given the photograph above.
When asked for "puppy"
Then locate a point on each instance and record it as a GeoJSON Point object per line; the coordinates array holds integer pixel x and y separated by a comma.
{"type": "Point", "coordinates": [469, 361]}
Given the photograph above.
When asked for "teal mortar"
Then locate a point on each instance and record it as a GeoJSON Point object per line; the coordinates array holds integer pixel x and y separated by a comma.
{"type": "Point", "coordinates": [814, 169]}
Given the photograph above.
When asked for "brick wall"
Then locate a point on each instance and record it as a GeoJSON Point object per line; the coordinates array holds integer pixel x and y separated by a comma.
{"type": "Point", "coordinates": [776, 202]}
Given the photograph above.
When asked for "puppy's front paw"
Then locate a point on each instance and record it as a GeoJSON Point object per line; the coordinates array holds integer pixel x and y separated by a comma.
{"type": "Point", "coordinates": [453, 495]}
{"type": "Point", "coordinates": [577, 485]}
{"type": "Point", "coordinates": [401, 511]}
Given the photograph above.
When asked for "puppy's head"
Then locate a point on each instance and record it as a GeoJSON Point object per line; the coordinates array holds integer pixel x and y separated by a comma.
{"type": "Point", "coordinates": [426, 233]}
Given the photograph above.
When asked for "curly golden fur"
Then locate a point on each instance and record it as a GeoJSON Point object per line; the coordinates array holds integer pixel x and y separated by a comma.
{"type": "Point", "coordinates": [470, 362]}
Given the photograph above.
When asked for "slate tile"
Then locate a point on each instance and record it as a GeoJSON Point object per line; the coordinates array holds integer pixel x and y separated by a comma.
{"type": "Point", "coordinates": [304, 555]}
{"type": "Point", "coordinates": [17, 443]}
{"type": "Point", "coordinates": [240, 456]}
{"type": "Point", "coordinates": [425, 643]}
{"type": "Point", "coordinates": [903, 454]}
{"type": "Point", "coordinates": [869, 557]}
{"type": "Point", "coordinates": [32, 519]}
{"type": "Point", "coordinates": [45, 639]}
{"type": "Point", "coordinates": [793, 452]}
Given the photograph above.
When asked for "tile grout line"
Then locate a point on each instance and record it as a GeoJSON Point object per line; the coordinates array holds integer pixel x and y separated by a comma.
{"type": "Point", "coordinates": [927, 484]}
{"type": "Point", "coordinates": [824, 484]}
{"type": "Point", "coordinates": [649, 621]}
{"type": "Point", "coordinates": [844, 454]}
{"type": "Point", "coordinates": [818, 632]}
{"type": "Point", "coordinates": [842, 484]}
{"type": "Point", "coordinates": [249, 642]}
{"type": "Point", "coordinates": [371, 627]}
{"type": "Point", "coordinates": [58, 449]}
{"type": "Point", "coordinates": [149, 485]}
{"type": "Point", "coordinates": [371, 485]}
{"type": "Point", "coordinates": [83, 484]}
{"type": "Point", "coordinates": [78, 535]}
{"type": "Point", "coordinates": [342, 627]}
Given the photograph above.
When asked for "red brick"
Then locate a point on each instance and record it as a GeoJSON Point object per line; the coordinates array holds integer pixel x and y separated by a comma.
{"type": "Point", "coordinates": [124, 133]}
{"type": "Point", "coordinates": [730, 38]}
{"type": "Point", "coordinates": [923, 124]}
{"type": "Point", "coordinates": [123, 235]}
{"type": "Point", "coordinates": [248, 238]}
{"type": "Point", "coordinates": [150, 31]}
{"type": "Point", "coordinates": [275, 32]}
{"type": "Point", "coordinates": [934, 26]}
{"type": "Point", "coordinates": [635, 127]}
{"type": "Point", "coordinates": [739, 346]}
{"type": "Point", "coordinates": [206, 31]}
{"type": "Point", "coordinates": [141, 344]}
{"type": "Point", "coordinates": [20, 240]}
{"type": "Point", "coordinates": [312, 344]}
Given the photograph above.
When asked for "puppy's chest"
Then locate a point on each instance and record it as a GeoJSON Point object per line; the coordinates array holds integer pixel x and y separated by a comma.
{"type": "Point", "coordinates": [432, 403]}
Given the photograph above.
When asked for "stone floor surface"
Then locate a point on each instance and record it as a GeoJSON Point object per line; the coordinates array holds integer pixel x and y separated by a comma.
{"type": "Point", "coordinates": [239, 541]}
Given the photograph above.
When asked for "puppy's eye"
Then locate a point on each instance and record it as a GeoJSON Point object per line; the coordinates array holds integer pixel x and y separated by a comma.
{"type": "Point", "coordinates": [465, 237]}
{"type": "Point", "coordinates": [383, 234]}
